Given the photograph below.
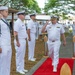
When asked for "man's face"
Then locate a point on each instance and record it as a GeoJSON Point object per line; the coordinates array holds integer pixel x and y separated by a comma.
{"type": "Point", "coordinates": [54, 21]}
{"type": "Point", "coordinates": [22, 16]}
{"type": "Point", "coordinates": [33, 17]}
{"type": "Point", "coordinates": [4, 13]}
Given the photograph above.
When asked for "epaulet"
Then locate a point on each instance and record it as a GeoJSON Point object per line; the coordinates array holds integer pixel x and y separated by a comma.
{"type": "Point", "coordinates": [59, 23]}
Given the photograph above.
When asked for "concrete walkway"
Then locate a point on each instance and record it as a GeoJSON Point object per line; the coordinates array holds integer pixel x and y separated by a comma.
{"type": "Point", "coordinates": [66, 51]}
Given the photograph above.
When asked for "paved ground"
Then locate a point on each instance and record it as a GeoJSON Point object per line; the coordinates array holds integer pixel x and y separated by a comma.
{"type": "Point", "coordinates": [64, 52]}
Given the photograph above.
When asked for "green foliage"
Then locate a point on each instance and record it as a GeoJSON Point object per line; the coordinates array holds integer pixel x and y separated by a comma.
{"type": "Point", "coordinates": [50, 5]}
{"type": "Point", "coordinates": [28, 3]}
{"type": "Point", "coordinates": [31, 5]}
{"type": "Point", "coordinates": [35, 7]}
{"type": "Point", "coordinates": [59, 7]}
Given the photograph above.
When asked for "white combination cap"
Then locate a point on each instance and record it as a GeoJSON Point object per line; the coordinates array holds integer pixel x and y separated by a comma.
{"type": "Point", "coordinates": [53, 16]}
{"type": "Point", "coordinates": [3, 8]}
{"type": "Point", "coordinates": [21, 12]}
{"type": "Point", "coordinates": [33, 14]}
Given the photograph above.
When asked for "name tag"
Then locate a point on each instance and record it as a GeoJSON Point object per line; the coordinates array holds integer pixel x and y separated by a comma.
{"type": "Point", "coordinates": [50, 27]}
{"type": "Point", "coordinates": [22, 25]}
{"type": "Point", "coordinates": [58, 27]}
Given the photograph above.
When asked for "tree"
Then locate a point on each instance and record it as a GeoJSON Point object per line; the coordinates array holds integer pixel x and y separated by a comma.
{"type": "Point", "coordinates": [35, 7]}
{"type": "Point", "coordinates": [50, 4]}
{"type": "Point", "coordinates": [31, 5]}
{"type": "Point", "coordinates": [60, 6]}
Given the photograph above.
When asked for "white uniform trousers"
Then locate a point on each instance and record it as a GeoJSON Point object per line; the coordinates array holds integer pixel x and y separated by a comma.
{"type": "Point", "coordinates": [31, 46]}
{"type": "Point", "coordinates": [20, 54]}
{"type": "Point", "coordinates": [5, 60]}
{"type": "Point", "coordinates": [53, 48]}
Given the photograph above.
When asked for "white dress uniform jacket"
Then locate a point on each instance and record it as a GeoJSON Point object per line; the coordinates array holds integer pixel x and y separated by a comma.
{"type": "Point", "coordinates": [54, 32]}
{"type": "Point", "coordinates": [31, 44]}
{"type": "Point", "coordinates": [5, 44]}
{"type": "Point", "coordinates": [20, 28]}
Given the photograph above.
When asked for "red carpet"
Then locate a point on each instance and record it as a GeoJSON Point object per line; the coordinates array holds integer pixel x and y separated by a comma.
{"type": "Point", "coordinates": [46, 68]}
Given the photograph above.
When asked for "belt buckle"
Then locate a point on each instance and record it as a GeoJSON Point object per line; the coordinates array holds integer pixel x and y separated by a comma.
{"type": "Point", "coordinates": [53, 40]}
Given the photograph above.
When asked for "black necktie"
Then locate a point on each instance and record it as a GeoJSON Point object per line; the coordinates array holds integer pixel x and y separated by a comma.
{"type": "Point", "coordinates": [6, 23]}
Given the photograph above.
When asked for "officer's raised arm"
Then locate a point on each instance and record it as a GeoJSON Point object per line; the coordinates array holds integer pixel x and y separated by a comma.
{"type": "Point", "coordinates": [44, 27]}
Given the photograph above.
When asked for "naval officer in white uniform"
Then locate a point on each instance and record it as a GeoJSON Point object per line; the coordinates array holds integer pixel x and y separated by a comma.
{"type": "Point", "coordinates": [31, 30]}
{"type": "Point", "coordinates": [54, 31]}
{"type": "Point", "coordinates": [5, 43]}
{"type": "Point", "coordinates": [20, 36]}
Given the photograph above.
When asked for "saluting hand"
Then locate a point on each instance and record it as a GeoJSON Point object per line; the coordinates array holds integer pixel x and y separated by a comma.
{"type": "Point", "coordinates": [47, 22]}
{"type": "Point", "coordinates": [0, 50]}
